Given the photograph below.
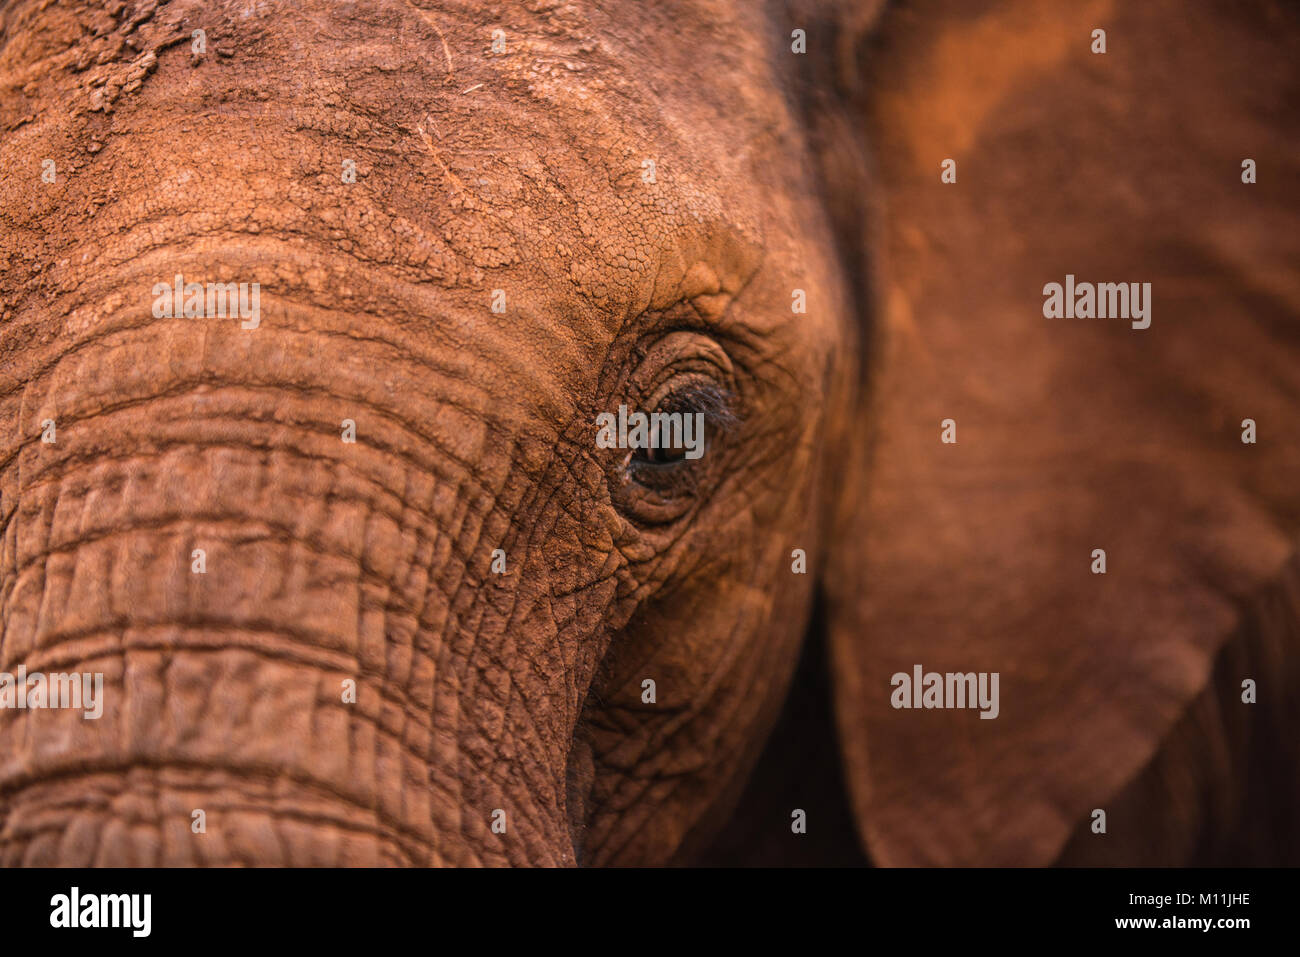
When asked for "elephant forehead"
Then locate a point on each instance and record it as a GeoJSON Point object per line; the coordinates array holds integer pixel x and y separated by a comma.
{"type": "Point", "coordinates": [380, 164]}
{"type": "Point", "coordinates": [583, 171]}
{"type": "Point", "coordinates": [556, 146]}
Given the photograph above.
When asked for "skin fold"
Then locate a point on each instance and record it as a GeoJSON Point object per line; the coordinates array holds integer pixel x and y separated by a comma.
{"type": "Point", "coordinates": [642, 189]}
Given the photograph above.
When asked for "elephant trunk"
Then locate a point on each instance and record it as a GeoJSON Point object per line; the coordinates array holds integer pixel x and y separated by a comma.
{"type": "Point", "coordinates": [282, 623]}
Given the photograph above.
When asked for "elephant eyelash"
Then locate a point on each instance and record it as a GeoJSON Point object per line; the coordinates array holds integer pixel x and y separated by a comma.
{"type": "Point", "coordinates": [714, 400]}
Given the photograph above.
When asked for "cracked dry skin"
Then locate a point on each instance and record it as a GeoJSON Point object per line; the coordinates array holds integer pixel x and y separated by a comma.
{"type": "Point", "coordinates": [328, 561]}
{"type": "Point", "coordinates": [522, 178]}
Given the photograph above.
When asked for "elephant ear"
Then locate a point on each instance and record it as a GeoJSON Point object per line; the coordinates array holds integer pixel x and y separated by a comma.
{"type": "Point", "coordinates": [1119, 691]}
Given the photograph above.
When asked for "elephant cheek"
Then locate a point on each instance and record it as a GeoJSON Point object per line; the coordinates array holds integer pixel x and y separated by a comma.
{"type": "Point", "coordinates": [278, 620]}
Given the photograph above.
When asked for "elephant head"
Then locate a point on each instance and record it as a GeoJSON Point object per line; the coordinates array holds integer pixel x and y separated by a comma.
{"type": "Point", "coordinates": [369, 576]}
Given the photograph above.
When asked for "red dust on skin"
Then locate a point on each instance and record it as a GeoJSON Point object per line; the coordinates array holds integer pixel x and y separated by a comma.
{"type": "Point", "coordinates": [386, 177]}
{"type": "Point", "coordinates": [368, 561]}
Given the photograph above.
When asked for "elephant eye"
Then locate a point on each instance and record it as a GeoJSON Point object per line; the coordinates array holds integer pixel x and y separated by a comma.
{"type": "Point", "coordinates": [670, 423]}
{"type": "Point", "coordinates": [679, 429]}
{"type": "Point", "coordinates": [660, 455]}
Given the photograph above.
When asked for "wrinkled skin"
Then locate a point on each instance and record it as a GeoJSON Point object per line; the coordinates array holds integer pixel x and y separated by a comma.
{"type": "Point", "coordinates": [524, 172]}
{"type": "Point", "coordinates": [328, 561]}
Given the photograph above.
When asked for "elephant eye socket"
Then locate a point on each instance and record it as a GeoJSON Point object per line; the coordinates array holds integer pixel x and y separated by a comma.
{"type": "Point", "coordinates": [678, 415]}
{"type": "Point", "coordinates": [660, 480]}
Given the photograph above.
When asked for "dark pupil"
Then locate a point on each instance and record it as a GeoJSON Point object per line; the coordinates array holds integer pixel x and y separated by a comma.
{"type": "Point", "coordinates": [663, 454]}
{"type": "Point", "coordinates": [667, 446]}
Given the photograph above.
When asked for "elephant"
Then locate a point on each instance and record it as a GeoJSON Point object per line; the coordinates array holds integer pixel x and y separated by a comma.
{"type": "Point", "coordinates": [354, 580]}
